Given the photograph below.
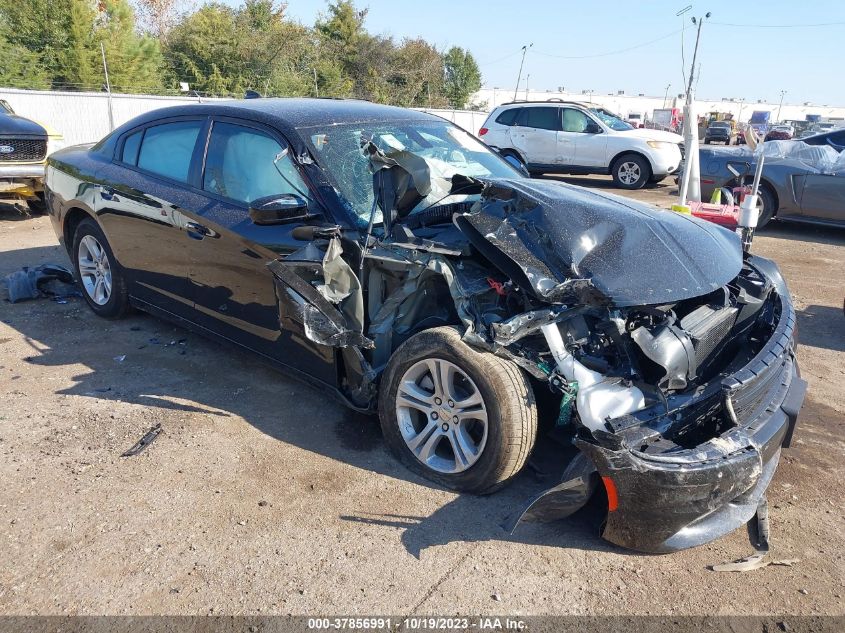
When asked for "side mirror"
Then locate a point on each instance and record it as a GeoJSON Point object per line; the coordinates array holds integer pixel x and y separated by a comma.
{"type": "Point", "coordinates": [278, 209]}
{"type": "Point", "coordinates": [592, 128]}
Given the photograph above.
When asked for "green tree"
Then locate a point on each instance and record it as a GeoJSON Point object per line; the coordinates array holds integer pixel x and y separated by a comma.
{"type": "Point", "coordinates": [463, 77]}
{"type": "Point", "coordinates": [417, 75]}
{"type": "Point", "coordinates": [226, 51]}
{"type": "Point", "coordinates": [64, 37]}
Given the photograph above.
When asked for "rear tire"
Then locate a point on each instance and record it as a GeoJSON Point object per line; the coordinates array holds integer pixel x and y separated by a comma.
{"type": "Point", "coordinates": [101, 278]}
{"type": "Point", "coordinates": [630, 171]}
{"type": "Point", "coordinates": [475, 447]}
{"type": "Point", "coordinates": [769, 206]}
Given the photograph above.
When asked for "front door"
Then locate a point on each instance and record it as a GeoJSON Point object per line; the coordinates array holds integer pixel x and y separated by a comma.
{"type": "Point", "coordinates": [823, 196]}
{"type": "Point", "coordinates": [587, 147]}
{"type": "Point", "coordinates": [233, 289]}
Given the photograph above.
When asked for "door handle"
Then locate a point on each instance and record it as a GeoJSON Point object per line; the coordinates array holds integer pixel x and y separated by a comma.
{"type": "Point", "coordinates": [198, 229]}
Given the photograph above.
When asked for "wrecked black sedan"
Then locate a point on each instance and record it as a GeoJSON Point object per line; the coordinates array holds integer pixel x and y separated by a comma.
{"type": "Point", "coordinates": [389, 257]}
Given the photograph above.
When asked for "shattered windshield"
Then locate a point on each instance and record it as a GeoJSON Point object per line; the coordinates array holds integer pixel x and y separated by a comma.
{"type": "Point", "coordinates": [611, 120]}
{"type": "Point", "coordinates": [447, 149]}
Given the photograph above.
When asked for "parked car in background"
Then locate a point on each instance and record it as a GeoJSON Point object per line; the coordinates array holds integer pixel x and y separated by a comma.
{"type": "Point", "coordinates": [578, 138]}
{"type": "Point", "coordinates": [396, 262]}
{"type": "Point", "coordinates": [834, 139]}
{"type": "Point", "coordinates": [803, 185]}
{"type": "Point", "coordinates": [719, 132]}
{"type": "Point", "coordinates": [780, 133]}
{"type": "Point", "coordinates": [24, 147]}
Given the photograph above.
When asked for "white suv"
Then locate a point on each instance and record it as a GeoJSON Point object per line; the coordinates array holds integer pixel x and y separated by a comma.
{"type": "Point", "coordinates": [578, 138]}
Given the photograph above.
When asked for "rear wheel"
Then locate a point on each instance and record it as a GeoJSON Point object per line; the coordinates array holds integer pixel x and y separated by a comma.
{"type": "Point", "coordinates": [100, 276]}
{"type": "Point", "coordinates": [631, 171]}
{"type": "Point", "coordinates": [460, 417]}
{"type": "Point", "coordinates": [766, 206]}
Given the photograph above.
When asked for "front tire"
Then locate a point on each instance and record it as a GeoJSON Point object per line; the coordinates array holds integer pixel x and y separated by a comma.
{"type": "Point", "coordinates": [100, 277]}
{"type": "Point", "coordinates": [631, 171]}
{"type": "Point", "coordinates": [462, 418]}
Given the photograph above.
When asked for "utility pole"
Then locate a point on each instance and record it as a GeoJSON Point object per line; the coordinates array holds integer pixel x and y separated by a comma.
{"type": "Point", "coordinates": [590, 93]}
{"type": "Point", "coordinates": [782, 92]}
{"type": "Point", "coordinates": [108, 87]}
{"type": "Point", "coordinates": [519, 76]}
{"type": "Point", "coordinates": [666, 94]}
{"type": "Point", "coordinates": [691, 177]}
{"type": "Point", "coordinates": [527, 77]}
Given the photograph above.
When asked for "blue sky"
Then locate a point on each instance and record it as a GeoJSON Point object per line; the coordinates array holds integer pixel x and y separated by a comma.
{"type": "Point", "coordinates": [755, 63]}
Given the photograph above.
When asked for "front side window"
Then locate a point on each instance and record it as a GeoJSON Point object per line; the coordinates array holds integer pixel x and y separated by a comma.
{"type": "Point", "coordinates": [575, 120]}
{"type": "Point", "coordinates": [167, 149]}
{"type": "Point", "coordinates": [242, 164]}
{"type": "Point", "coordinates": [446, 149]}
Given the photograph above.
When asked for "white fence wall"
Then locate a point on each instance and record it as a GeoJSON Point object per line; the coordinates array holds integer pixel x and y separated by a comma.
{"type": "Point", "coordinates": [83, 117]}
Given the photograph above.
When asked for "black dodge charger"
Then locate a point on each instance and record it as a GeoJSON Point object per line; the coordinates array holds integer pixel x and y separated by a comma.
{"type": "Point", "coordinates": [390, 258]}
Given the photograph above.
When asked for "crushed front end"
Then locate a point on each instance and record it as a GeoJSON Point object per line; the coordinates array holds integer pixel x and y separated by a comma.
{"type": "Point", "coordinates": [672, 352]}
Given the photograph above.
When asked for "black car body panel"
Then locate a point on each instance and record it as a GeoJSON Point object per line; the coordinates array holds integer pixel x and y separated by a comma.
{"type": "Point", "coordinates": [318, 297]}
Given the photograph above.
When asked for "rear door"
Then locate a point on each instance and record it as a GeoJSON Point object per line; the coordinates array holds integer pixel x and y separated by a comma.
{"type": "Point", "coordinates": [233, 289]}
{"type": "Point", "coordinates": [143, 201]}
{"type": "Point", "coordinates": [535, 134]}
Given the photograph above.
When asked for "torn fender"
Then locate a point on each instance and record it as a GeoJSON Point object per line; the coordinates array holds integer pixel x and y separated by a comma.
{"type": "Point", "coordinates": [579, 482]}
{"type": "Point", "coordinates": [320, 296]}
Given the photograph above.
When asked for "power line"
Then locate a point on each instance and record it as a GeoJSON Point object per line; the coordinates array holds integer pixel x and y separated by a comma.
{"type": "Point", "coordinates": [616, 52]}
{"type": "Point", "coordinates": [501, 59]}
{"type": "Point", "coordinates": [778, 26]}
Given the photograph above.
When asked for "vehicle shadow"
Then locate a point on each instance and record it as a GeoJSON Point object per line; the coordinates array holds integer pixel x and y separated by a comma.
{"type": "Point", "coordinates": [170, 368]}
{"type": "Point", "coordinates": [822, 327]}
{"type": "Point", "coordinates": [799, 232]}
{"type": "Point", "coordinates": [14, 212]}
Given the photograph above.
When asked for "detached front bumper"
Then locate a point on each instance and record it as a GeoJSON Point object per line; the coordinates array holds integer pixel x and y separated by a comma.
{"type": "Point", "coordinates": [668, 502]}
{"type": "Point", "coordinates": [672, 483]}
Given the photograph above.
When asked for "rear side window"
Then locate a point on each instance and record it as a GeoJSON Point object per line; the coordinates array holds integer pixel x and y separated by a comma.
{"type": "Point", "coordinates": [541, 118]}
{"type": "Point", "coordinates": [508, 117]}
{"type": "Point", "coordinates": [167, 149]}
{"type": "Point", "coordinates": [130, 148]}
{"type": "Point", "coordinates": [240, 165]}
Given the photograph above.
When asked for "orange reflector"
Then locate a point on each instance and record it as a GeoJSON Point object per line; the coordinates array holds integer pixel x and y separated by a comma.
{"type": "Point", "coordinates": [612, 498]}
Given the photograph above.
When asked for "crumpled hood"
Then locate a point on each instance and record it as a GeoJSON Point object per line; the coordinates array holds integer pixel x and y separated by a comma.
{"type": "Point", "coordinates": [566, 244]}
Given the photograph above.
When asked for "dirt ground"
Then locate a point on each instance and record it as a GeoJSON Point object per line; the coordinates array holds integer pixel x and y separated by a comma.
{"type": "Point", "coordinates": [264, 496]}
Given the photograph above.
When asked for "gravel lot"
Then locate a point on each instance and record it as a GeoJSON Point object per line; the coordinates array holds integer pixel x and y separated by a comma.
{"type": "Point", "coordinates": [263, 496]}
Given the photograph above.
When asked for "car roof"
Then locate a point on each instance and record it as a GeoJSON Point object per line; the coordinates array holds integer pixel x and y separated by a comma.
{"type": "Point", "coordinates": [286, 114]}
{"type": "Point", "coordinates": [546, 102]}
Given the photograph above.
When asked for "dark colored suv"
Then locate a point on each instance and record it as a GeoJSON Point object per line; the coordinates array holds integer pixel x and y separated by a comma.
{"type": "Point", "coordinates": [720, 132]}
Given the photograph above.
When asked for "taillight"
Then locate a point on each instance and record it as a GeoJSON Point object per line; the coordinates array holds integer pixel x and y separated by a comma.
{"type": "Point", "coordinates": [483, 131]}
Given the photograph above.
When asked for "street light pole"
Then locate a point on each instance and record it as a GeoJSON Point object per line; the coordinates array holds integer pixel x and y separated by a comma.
{"type": "Point", "coordinates": [690, 183]}
{"type": "Point", "coordinates": [782, 92]}
{"type": "Point", "coordinates": [666, 94]}
{"type": "Point", "coordinates": [519, 76]}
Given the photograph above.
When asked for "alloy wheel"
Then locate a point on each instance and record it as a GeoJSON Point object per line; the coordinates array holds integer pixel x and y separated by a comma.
{"type": "Point", "coordinates": [629, 172]}
{"type": "Point", "coordinates": [441, 415]}
{"type": "Point", "coordinates": [94, 270]}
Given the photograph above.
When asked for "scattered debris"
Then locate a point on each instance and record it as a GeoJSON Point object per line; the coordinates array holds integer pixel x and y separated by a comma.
{"type": "Point", "coordinates": [145, 441]}
{"type": "Point", "coordinates": [120, 358]}
{"type": "Point", "coordinates": [803, 591]}
{"type": "Point", "coordinates": [262, 503]}
{"type": "Point", "coordinates": [496, 597]}
{"type": "Point", "coordinates": [46, 280]}
{"type": "Point", "coordinates": [758, 534]}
